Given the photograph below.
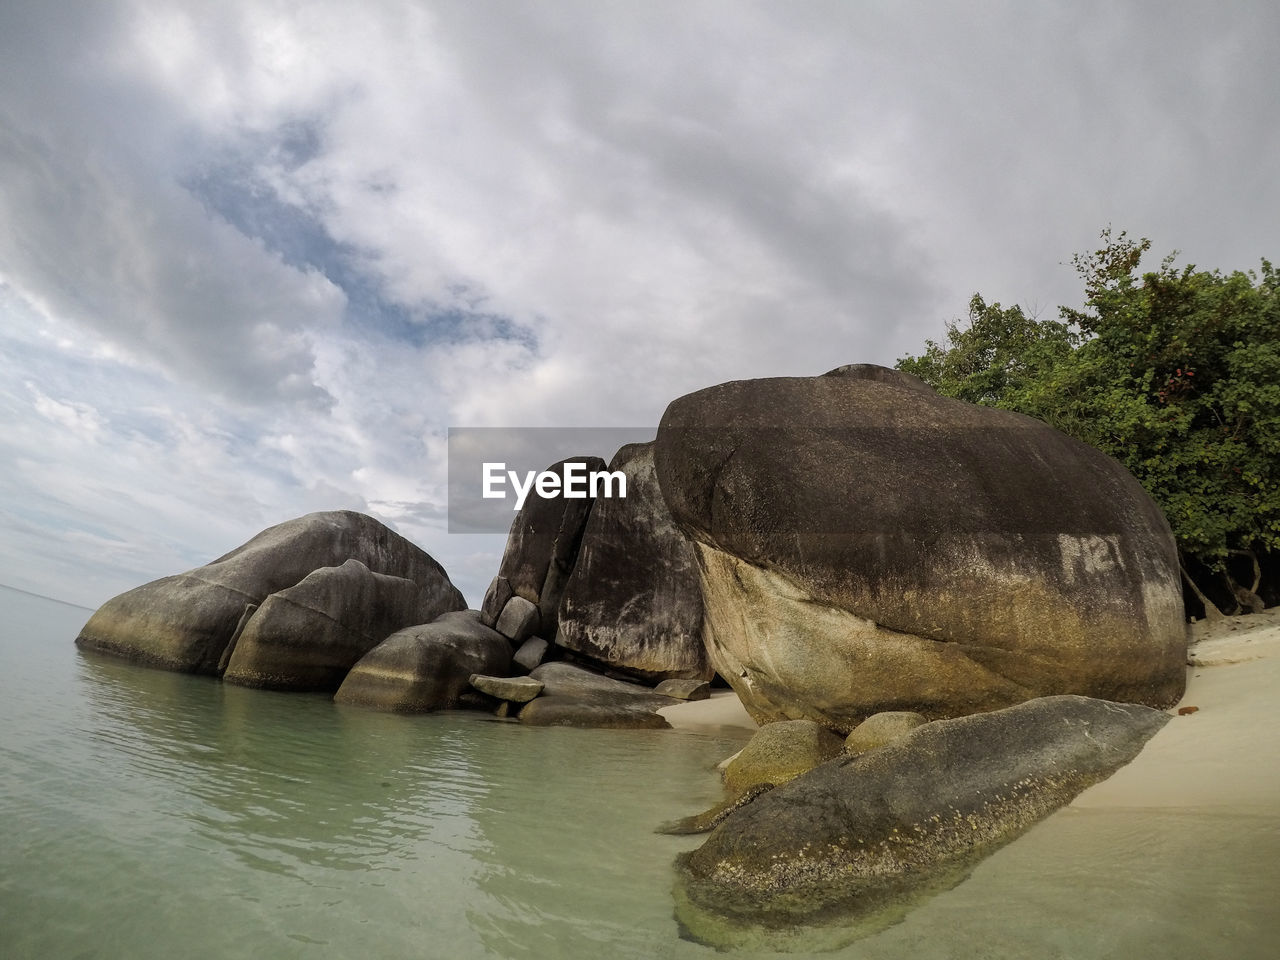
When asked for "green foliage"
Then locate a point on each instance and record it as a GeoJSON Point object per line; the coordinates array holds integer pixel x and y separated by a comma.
{"type": "Point", "coordinates": [1174, 372]}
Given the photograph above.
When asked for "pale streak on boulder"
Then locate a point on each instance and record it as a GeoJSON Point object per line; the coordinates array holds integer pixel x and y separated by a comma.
{"type": "Point", "coordinates": [865, 544]}
{"type": "Point", "coordinates": [849, 845]}
{"type": "Point", "coordinates": [633, 603]}
{"type": "Point", "coordinates": [185, 622]}
{"type": "Point", "coordinates": [308, 636]}
{"type": "Point", "coordinates": [426, 667]}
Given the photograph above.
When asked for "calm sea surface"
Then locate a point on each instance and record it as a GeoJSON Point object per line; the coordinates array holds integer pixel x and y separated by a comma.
{"type": "Point", "coordinates": [148, 814]}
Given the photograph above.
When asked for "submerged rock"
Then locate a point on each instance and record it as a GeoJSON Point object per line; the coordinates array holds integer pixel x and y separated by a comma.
{"type": "Point", "coordinates": [426, 667]}
{"type": "Point", "coordinates": [711, 818]}
{"type": "Point", "coordinates": [633, 603]}
{"type": "Point", "coordinates": [185, 622]}
{"type": "Point", "coordinates": [858, 834]}
{"type": "Point", "coordinates": [866, 544]}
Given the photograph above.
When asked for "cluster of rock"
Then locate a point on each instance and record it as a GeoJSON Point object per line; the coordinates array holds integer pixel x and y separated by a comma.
{"type": "Point", "coordinates": [850, 845]}
{"type": "Point", "coordinates": [337, 602]}
{"type": "Point", "coordinates": [934, 610]}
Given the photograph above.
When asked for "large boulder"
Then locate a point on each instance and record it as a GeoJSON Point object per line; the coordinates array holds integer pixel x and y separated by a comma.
{"type": "Point", "coordinates": [858, 835]}
{"type": "Point", "coordinates": [426, 667]}
{"type": "Point", "coordinates": [542, 546]}
{"type": "Point", "coordinates": [633, 603]}
{"type": "Point", "coordinates": [866, 544]}
{"type": "Point", "coordinates": [185, 622]}
{"type": "Point", "coordinates": [306, 637]}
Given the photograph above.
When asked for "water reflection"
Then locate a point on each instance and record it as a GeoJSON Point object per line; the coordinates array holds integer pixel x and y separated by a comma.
{"type": "Point", "coordinates": [285, 780]}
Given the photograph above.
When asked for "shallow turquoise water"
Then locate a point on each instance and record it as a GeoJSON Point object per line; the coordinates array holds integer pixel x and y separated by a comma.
{"type": "Point", "coordinates": [148, 814]}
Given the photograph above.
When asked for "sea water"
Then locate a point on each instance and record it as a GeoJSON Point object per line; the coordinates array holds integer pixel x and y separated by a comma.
{"type": "Point", "coordinates": [149, 814]}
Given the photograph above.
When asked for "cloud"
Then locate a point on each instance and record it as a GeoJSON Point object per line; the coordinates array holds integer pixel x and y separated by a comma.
{"type": "Point", "coordinates": [255, 260]}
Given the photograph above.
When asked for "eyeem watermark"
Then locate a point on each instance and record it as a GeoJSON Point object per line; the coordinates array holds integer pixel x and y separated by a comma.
{"type": "Point", "coordinates": [577, 483]}
{"type": "Point", "coordinates": [496, 471]}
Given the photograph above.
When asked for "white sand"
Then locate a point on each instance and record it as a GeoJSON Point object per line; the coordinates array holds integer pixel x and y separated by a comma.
{"type": "Point", "coordinates": [724, 709]}
{"type": "Point", "coordinates": [1227, 753]}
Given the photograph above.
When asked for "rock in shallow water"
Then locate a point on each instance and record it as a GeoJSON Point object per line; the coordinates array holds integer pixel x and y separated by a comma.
{"type": "Point", "coordinates": [426, 667]}
{"type": "Point", "coordinates": [859, 834]}
{"type": "Point", "coordinates": [185, 622]}
{"type": "Point", "coordinates": [308, 636]}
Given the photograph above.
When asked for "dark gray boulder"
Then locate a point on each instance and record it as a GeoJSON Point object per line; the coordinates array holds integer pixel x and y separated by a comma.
{"type": "Point", "coordinates": [866, 545]}
{"type": "Point", "coordinates": [495, 598]}
{"type": "Point", "coordinates": [426, 667]}
{"type": "Point", "coordinates": [684, 689]}
{"type": "Point", "coordinates": [543, 545]}
{"type": "Point", "coordinates": [575, 697]}
{"type": "Point", "coordinates": [306, 637]}
{"type": "Point", "coordinates": [633, 603]}
{"type": "Point", "coordinates": [530, 654]}
{"type": "Point", "coordinates": [861, 835]}
{"type": "Point", "coordinates": [185, 622]}
{"type": "Point", "coordinates": [518, 621]}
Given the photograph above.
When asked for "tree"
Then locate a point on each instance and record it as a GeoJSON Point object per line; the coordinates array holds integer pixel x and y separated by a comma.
{"type": "Point", "coordinates": [1174, 372]}
{"type": "Point", "coordinates": [994, 357]}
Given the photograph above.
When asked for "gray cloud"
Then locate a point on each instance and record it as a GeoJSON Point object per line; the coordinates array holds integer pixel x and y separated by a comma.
{"type": "Point", "coordinates": [255, 261]}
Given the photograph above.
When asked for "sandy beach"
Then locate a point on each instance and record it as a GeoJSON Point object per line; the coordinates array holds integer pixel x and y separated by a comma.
{"type": "Point", "coordinates": [1225, 753]}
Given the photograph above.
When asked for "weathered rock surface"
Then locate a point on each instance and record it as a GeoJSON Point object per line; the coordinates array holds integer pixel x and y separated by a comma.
{"type": "Point", "coordinates": [514, 689]}
{"type": "Point", "coordinates": [866, 544]}
{"type": "Point", "coordinates": [518, 620]}
{"type": "Point", "coordinates": [858, 834]}
{"type": "Point", "coordinates": [633, 603]}
{"type": "Point", "coordinates": [709, 819]}
{"type": "Point", "coordinates": [576, 697]}
{"type": "Point", "coordinates": [185, 622]}
{"type": "Point", "coordinates": [881, 728]}
{"type": "Point", "coordinates": [306, 637]}
{"type": "Point", "coordinates": [684, 689]}
{"type": "Point", "coordinates": [426, 667]}
{"type": "Point", "coordinates": [779, 752]}
{"type": "Point", "coordinates": [543, 545]}
{"type": "Point", "coordinates": [495, 598]}
{"type": "Point", "coordinates": [530, 654]}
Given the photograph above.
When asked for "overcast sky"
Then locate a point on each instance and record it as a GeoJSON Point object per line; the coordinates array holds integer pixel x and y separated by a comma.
{"type": "Point", "coordinates": [256, 257]}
